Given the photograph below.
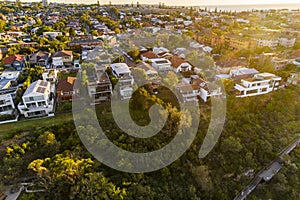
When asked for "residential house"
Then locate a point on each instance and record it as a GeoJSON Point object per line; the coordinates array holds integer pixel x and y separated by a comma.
{"type": "Point", "coordinates": [273, 60]}
{"type": "Point", "coordinates": [17, 62]}
{"type": "Point", "coordinates": [207, 89]}
{"type": "Point", "coordinates": [8, 91]}
{"type": "Point", "coordinates": [188, 92]}
{"type": "Point", "coordinates": [97, 54]}
{"type": "Point", "coordinates": [85, 41]}
{"type": "Point", "coordinates": [99, 87]}
{"type": "Point", "coordinates": [260, 84]}
{"type": "Point", "coordinates": [24, 44]}
{"type": "Point", "coordinates": [7, 106]}
{"type": "Point", "coordinates": [37, 100]}
{"type": "Point", "coordinates": [52, 34]}
{"type": "Point", "coordinates": [150, 72]}
{"type": "Point", "coordinates": [180, 65]}
{"type": "Point", "coordinates": [147, 55]}
{"type": "Point", "coordinates": [294, 78]}
{"type": "Point", "coordinates": [110, 40]}
{"type": "Point", "coordinates": [66, 89]}
{"type": "Point", "coordinates": [62, 58]}
{"type": "Point", "coordinates": [40, 58]}
{"type": "Point", "coordinates": [57, 62]}
{"type": "Point", "coordinates": [161, 64]}
{"type": "Point", "coordinates": [3, 52]}
{"type": "Point", "coordinates": [50, 75]}
{"type": "Point", "coordinates": [160, 51]}
{"type": "Point", "coordinates": [242, 73]}
{"type": "Point", "coordinates": [125, 84]}
{"type": "Point", "coordinates": [279, 63]}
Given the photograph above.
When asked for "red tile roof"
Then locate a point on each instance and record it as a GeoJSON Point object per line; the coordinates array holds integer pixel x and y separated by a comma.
{"type": "Point", "coordinates": [149, 54]}
{"type": "Point", "coordinates": [296, 53]}
{"type": "Point", "coordinates": [9, 60]}
{"type": "Point", "coordinates": [176, 61]}
{"type": "Point", "coordinates": [66, 84]}
{"type": "Point", "coordinates": [62, 53]}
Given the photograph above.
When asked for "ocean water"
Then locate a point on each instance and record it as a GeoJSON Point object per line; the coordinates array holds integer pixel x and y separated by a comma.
{"type": "Point", "coordinates": [239, 8]}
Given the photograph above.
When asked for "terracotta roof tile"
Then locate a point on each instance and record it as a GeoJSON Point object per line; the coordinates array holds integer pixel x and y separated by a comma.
{"type": "Point", "coordinates": [63, 53]}
{"type": "Point", "coordinates": [176, 61]}
{"type": "Point", "coordinates": [9, 60]}
{"type": "Point", "coordinates": [149, 54]}
{"type": "Point", "coordinates": [66, 84]}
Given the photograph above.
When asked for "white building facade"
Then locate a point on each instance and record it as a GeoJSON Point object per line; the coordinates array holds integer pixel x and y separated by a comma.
{"type": "Point", "coordinates": [261, 84]}
{"type": "Point", "coordinates": [37, 100]}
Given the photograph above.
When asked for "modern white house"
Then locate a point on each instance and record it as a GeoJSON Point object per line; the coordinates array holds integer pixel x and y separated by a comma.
{"type": "Point", "coordinates": [125, 84]}
{"type": "Point", "coordinates": [260, 84]}
{"type": "Point", "coordinates": [57, 62]}
{"type": "Point", "coordinates": [207, 89]}
{"type": "Point", "coordinates": [38, 100]}
{"type": "Point", "coordinates": [7, 105]}
{"type": "Point", "coordinates": [161, 64]}
{"type": "Point", "coordinates": [189, 93]}
{"type": "Point", "coordinates": [50, 75]}
{"type": "Point", "coordinates": [8, 92]}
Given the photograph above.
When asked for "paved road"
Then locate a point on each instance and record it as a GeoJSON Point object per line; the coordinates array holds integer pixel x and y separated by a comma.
{"type": "Point", "coordinates": [268, 172]}
{"type": "Point", "coordinates": [13, 196]}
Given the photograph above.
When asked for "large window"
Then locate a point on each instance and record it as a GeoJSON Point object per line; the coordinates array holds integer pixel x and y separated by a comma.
{"type": "Point", "coordinates": [6, 108]}
{"type": "Point", "coordinates": [2, 102]}
{"type": "Point", "coordinates": [31, 105]}
{"type": "Point", "coordinates": [42, 103]}
{"type": "Point", "coordinates": [34, 98]}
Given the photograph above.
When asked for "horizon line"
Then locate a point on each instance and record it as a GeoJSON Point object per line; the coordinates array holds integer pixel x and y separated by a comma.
{"type": "Point", "coordinates": [116, 3]}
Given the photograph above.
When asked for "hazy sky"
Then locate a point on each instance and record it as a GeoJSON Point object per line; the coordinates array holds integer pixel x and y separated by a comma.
{"type": "Point", "coordinates": [181, 2]}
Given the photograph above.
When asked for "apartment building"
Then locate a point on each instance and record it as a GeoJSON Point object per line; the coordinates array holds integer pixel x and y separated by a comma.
{"type": "Point", "coordinates": [238, 42]}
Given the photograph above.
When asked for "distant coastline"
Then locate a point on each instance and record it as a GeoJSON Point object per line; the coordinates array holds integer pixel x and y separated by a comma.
{"type": "Point", "coordinates": [225, 7]}
{"type": "Point", "coordinates": [240, 8]}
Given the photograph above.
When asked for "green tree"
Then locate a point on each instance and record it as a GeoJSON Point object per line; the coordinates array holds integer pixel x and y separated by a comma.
{"type": "Point", "coordinates": [96, 186]}
{"type": "Point", "coordinates": [62, 168]}
{"type": "Point", "coordinates": [2, 25]}
{"type": "Point", "coordinates": [171, 79]}
{"type": "Point", "coordinates": [72, 32]}
{"type": "Point", "coordinates": [139, 75]}
{"type": "Point", "coordinates": [48, 146]}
